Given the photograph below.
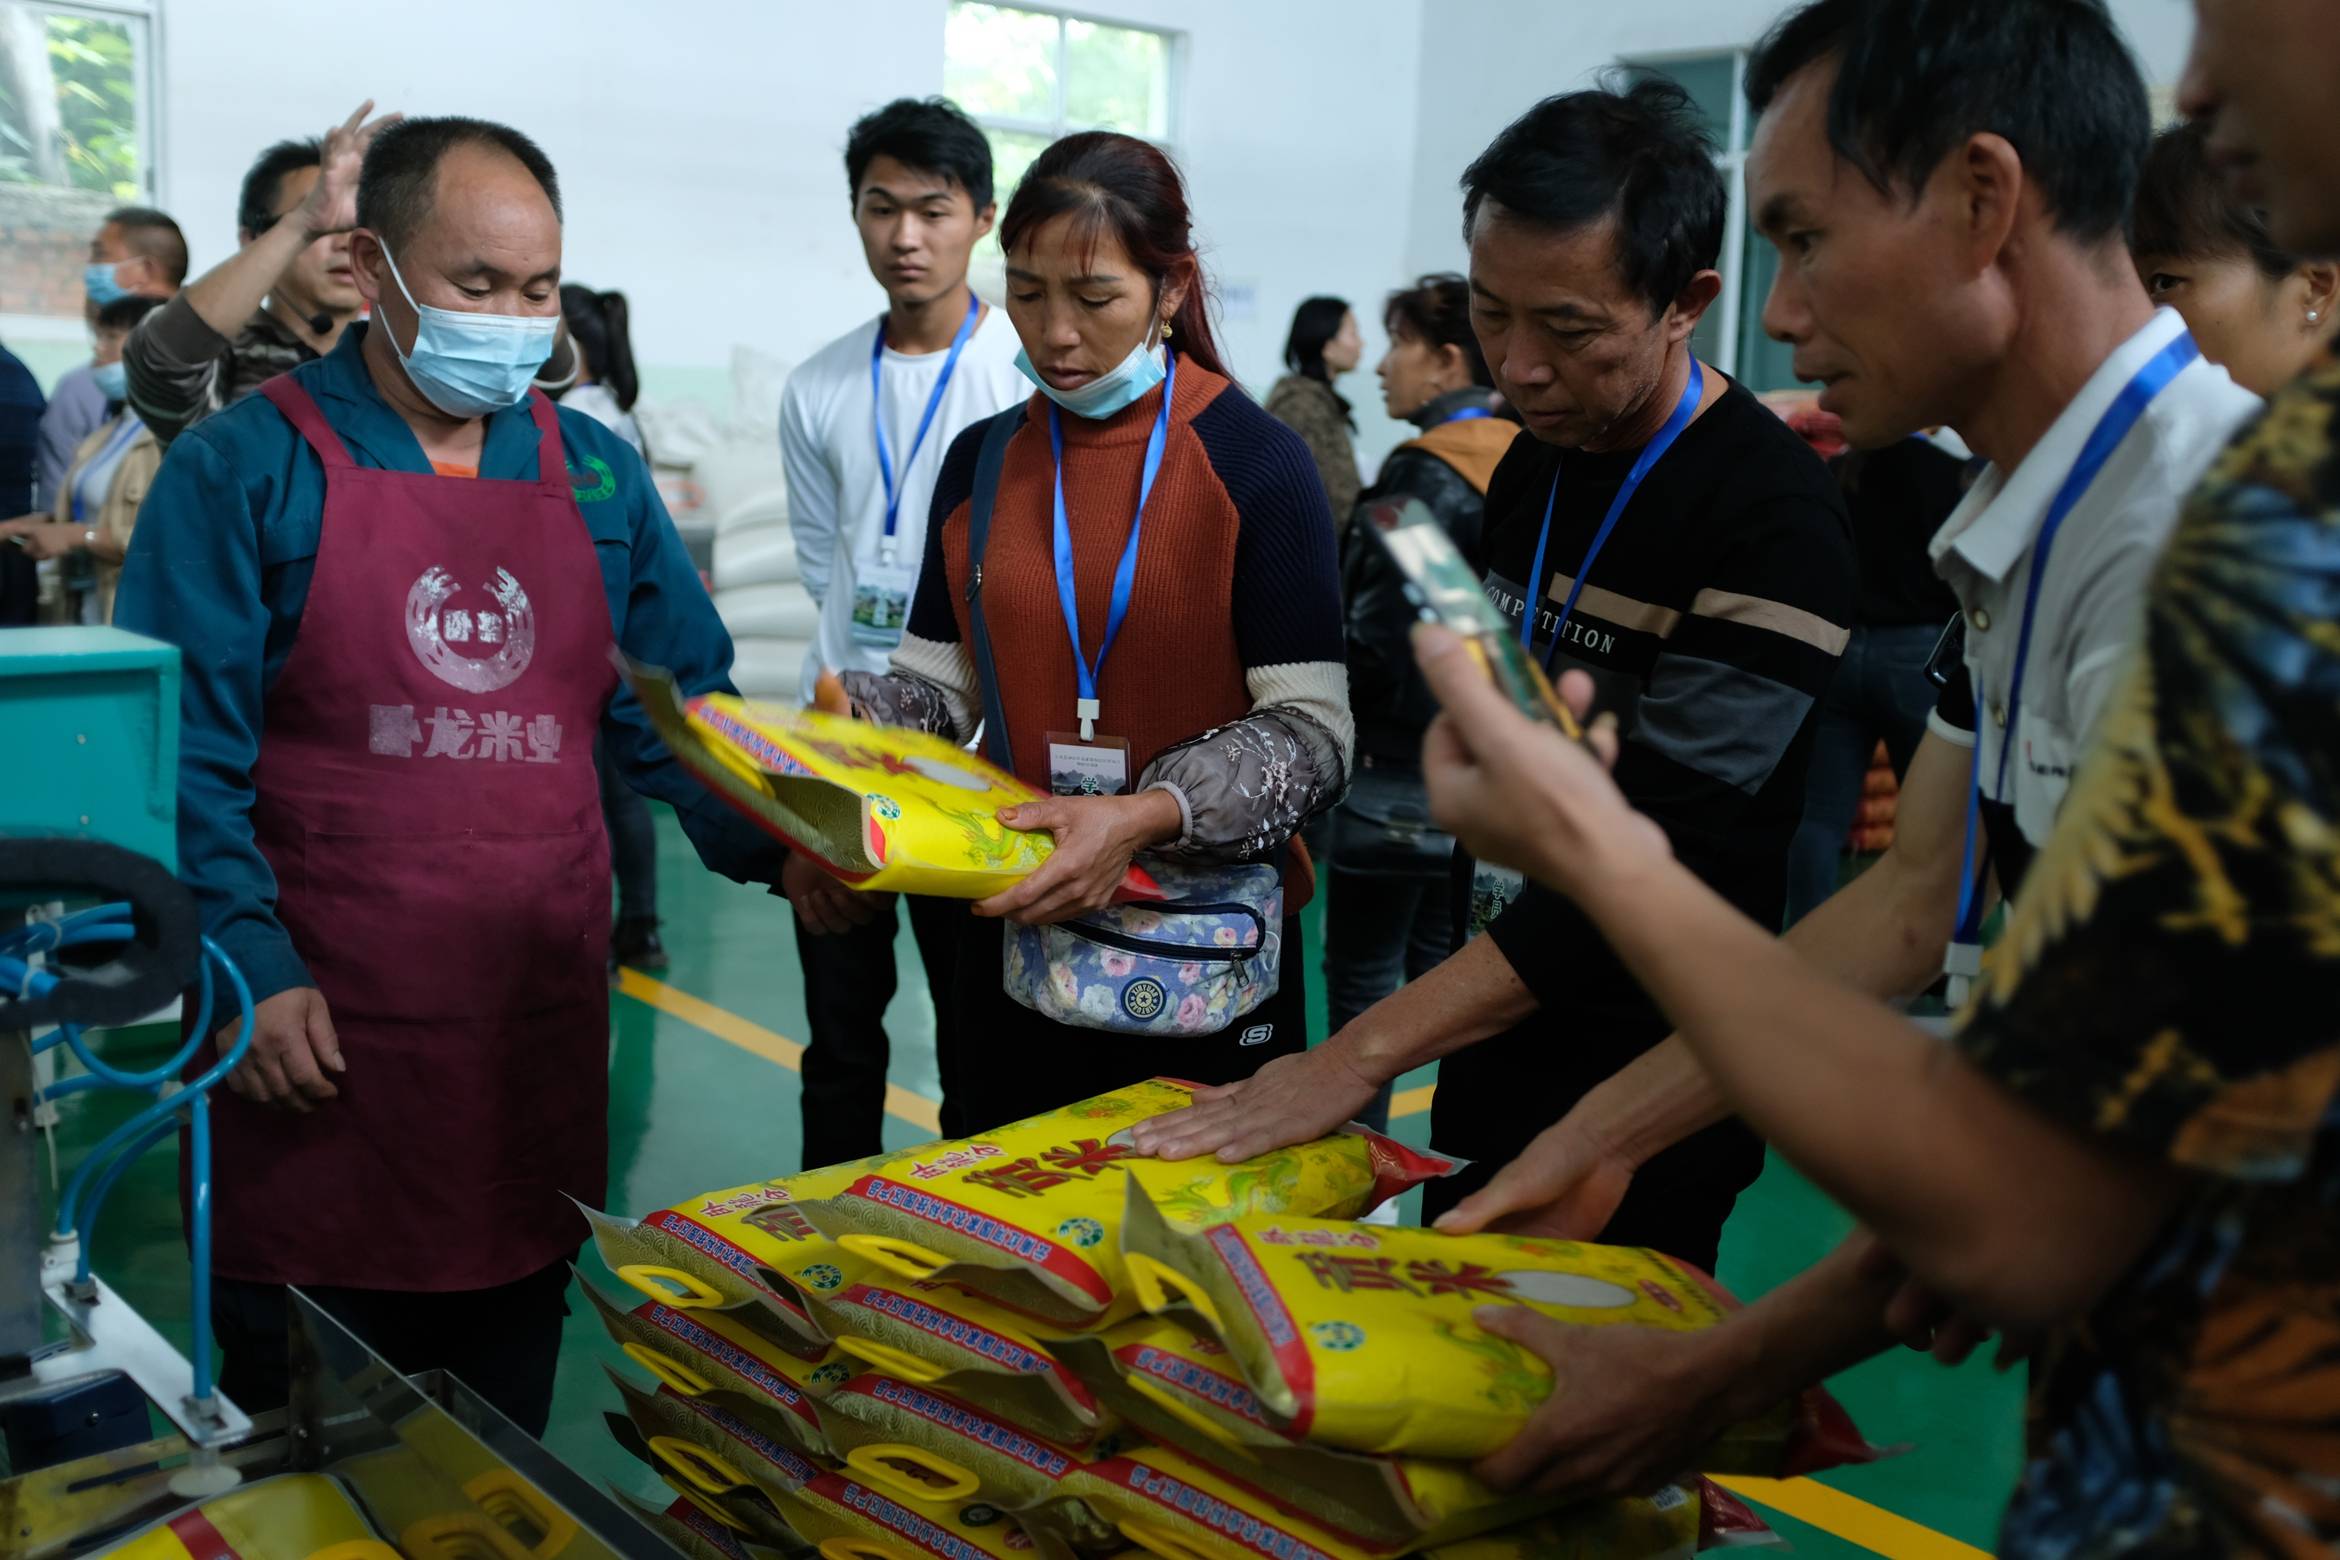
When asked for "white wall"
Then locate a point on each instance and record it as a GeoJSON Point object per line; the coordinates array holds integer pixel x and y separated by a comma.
{"type": "Point", "coordinates": [699, 143]}
{"type": "Point", "coordinates": [698, 140]}
{"type": "Point", "coordinates": [1482, 62]}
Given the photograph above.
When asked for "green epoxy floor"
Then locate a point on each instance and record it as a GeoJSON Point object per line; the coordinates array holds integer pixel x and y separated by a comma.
{"type": "Point", "coordinates": [690, 1112]}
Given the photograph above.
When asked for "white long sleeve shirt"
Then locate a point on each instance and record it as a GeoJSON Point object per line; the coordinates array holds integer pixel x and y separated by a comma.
{"type": "Point", "coordinates": [836, 494]}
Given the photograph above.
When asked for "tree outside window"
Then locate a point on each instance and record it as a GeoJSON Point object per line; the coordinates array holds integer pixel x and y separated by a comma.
{"type": "Point", "coordinates": [74, 141]}
{"type": "Point", "coordinates": [1029, 77]}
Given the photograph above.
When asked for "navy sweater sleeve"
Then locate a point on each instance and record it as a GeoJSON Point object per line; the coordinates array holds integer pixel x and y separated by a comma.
{"type": "Point", "coordinates": [1287, 588]}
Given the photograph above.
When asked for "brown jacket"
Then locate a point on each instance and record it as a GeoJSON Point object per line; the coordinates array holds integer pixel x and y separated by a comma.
{"type": "Point", "coordinates": [1309, 408]}
{"type": "Point", "coordinates": [117, 512]}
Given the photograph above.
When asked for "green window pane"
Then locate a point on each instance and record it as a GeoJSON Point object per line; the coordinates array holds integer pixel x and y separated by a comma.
{"type": "Point", "coordinates": [1764, 364]}
{"type": "Point", "coordinates": [999, 62]}
{"type": "Point", "coordinates": [1011, 153]}
{"type": "Point", "coordinates": [1116, 78]}
{"type": "Point", "coordinates": [1707, 80]}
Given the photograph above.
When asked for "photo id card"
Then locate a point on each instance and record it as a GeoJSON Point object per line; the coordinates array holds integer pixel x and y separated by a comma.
{"type": "Point", "coordinates": [881, 602]}
{"type": "Point", "coordinates": [1097, 767]}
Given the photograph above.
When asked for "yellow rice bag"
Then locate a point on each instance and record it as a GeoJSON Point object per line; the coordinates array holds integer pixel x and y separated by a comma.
{"type": "Point", "coordinates": [884, 808]}
{"type": "Point", "coordinates": [906, 1439]}
{"type": "Point", "coordinates": [695, 1529]}
{"type": "Point", "coordinates": [721, 1249]}
{"type": "Point", "coordinates": [1029, 1216]}
{"type": "Point", "coordinates": [1663, 1525]}
{"type": "Point", "coordinates": [724, 1462]}
{"type": "Point", "coordinates": [1184, 1389]}
{"type": "Point", "coordinates": [1361, 1336]}
{"type": "Point", "coordinates": [290, 1514]}
{"type": "Point", "coordinates": [699, 1352]}
{"type": "Point", "coordinates": [939, 1336]}
{"type": "Point", "coordinates": [1173, 1505]}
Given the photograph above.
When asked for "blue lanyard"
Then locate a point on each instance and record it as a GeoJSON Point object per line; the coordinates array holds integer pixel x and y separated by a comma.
{"type": "Point", "coordinates": [877, 411]}
{"type": "Point", "coordinates": [2119, 419]}
{"type": "Point", "coordinates": [1684, 410]}
{"type": "Point", "coordinates": [1467, 414]}
{"type": "Point", "coordinates": [1125, 573]}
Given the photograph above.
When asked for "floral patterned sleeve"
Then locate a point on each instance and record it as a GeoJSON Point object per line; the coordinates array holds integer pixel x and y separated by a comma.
{"type": "Point", "coordinates": [2172, 968]}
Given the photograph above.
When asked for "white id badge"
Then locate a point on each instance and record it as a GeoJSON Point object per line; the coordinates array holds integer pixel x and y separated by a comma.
{"type": "Point", "coordinates": [881, 602]}
{"type": "Point", "coordinates": [1097, 767]}
{"type": "Point", "coordinates": [1493, 889]}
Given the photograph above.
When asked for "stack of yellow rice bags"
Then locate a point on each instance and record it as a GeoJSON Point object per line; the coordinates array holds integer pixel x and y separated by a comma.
{"type": "Point", "coordinates": [1037, 1342]}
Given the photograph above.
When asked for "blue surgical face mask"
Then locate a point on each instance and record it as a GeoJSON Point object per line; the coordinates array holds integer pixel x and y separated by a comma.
{"type": "Point", "coordinates": [1101, 397]}
{"type": "Point", "coordinates": [113, 380]}
{"type": "Point", "coordinates": [468, 365]}
{"type": "Point", "coordinates": [100, 279]}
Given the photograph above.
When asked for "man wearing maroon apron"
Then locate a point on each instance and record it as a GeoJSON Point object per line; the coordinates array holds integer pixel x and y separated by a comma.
{"type": "Point", "coordinates": [397, 575]}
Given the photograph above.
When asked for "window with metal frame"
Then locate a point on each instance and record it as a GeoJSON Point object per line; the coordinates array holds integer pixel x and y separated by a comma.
{"type": "Point", "coordinates": [1731, 336]}
{"type": "Point", "coordinates": [1030, 76]}
{"type": "Point", "coordinates": [77, 138]}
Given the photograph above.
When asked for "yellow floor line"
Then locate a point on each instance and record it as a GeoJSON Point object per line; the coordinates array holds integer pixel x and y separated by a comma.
{"type": "Point", "coordinates": [756, 1040]}
{"type": "Point", "coordinates": [1855, 1521]}
{"type": "Point", "coordinates": [1832, 1511]}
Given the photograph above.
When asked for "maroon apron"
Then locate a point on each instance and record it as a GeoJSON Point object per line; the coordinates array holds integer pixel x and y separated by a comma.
{"type": "Point", "coordinates": [425, 793]}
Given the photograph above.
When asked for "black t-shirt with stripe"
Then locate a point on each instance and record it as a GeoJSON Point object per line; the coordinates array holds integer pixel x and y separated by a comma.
{"type": "Point", "coordinates": [1711, 622]}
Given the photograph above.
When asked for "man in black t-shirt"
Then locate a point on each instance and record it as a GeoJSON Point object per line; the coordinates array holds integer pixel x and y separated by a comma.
{"type": "Point", "coordinates": [1717, 582]}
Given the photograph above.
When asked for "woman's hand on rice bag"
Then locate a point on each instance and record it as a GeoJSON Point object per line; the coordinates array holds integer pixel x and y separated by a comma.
{"type": "Point", "coordinates": [1293, 1099]}
{"type": "Point", "coordinates": [1515, 791]}
{"type": "Point", "coordinates": [294, 1047]}
{"type": "Point", "coordinates": [826, 906]}
{"type": "Point", "coordinates": [1095, 838]}
{"type": "Point", "coordinates": [1565, 1186]}
{"type": "Point", "coordinates": [1630, 1406]}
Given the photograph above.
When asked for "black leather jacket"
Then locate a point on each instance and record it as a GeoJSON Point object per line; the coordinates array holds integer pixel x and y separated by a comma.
{"type": "Point", "coordinates": [1386, 691]}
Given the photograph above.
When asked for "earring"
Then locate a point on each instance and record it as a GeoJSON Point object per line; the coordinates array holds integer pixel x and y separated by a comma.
{"type": "Point", "coordinates": [1166, 329]}
{"type": "Point", "coordinates": [2314, 315]}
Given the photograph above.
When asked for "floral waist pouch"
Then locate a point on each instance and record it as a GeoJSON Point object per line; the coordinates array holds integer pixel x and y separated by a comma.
{"type": "Point", "coordinates": [1190, 964]}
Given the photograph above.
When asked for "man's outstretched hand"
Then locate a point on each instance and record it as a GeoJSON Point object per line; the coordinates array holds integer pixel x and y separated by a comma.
{"type": "Point", "coordinates": [1564, 1186]}
{"type": "Point", "coordinates": [1293, 1099]}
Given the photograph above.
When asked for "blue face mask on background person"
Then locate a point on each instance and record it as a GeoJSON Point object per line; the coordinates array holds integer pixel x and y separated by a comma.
{"type": "Point", "coordinates": [100, 279]}
{"type": "Point", "coordinates": [468, 365]}
{"type": "Point", "coordinates": [1128, 382]}
{"type": "Point", "coordinates": [113, 380]}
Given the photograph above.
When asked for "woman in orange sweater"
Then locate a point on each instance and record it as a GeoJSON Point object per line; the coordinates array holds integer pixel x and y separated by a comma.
{"type": "Point", "coordinates": [1162, 604]}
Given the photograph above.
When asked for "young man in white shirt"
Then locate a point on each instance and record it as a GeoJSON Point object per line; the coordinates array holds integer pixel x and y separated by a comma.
{"type": "Point", "coordinates": [863, 427]}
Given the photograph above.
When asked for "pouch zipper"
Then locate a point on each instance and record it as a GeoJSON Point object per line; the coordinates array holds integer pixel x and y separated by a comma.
{"type": "Point", "coordinates": [1184, 953]}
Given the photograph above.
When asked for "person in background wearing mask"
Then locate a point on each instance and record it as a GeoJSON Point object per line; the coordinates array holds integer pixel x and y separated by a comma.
{"type": "Point", "coordinates": [138, 253]}
{"type": "Point", "coordinates": [1388, 912]}
{"type": "Point", "coordinates": [1171, 665]}
{"type": "Point", "coordinates": [281, 300]}
{"type": "Point", "coordinates": [863, 427]}
{"type": "Point", "coordinates": [1324, 344]}
{"type": "Point", "coordinates": [95, 507]}
{"type": "Point", "coordinates": [605, 390]}
{"type": "Point", "coordinates": [1663, 531]}
{"type": "Point", "coordinates": [2256, 308]}
{"type": "Point", "coordinates": [396, 576]}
